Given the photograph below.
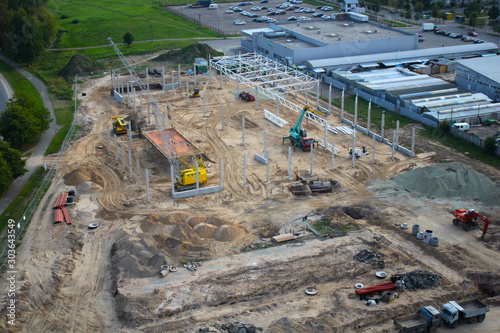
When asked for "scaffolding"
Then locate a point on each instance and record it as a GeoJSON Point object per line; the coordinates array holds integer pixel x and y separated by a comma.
{"type": "Point", "coordinates": [266, 76]}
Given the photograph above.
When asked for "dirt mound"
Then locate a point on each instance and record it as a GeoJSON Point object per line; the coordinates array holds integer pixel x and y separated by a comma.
{"type": "Point", "coordinates": [78, 176]}
{"type": "Point", "coordinates": [226, 233]}
{"type": "Point", "coordinates": [189, 53]}
{"type": "Point", "coordinates": [80, 64]}
{"type": "Point", "coordinates": [205, 230]}
{"type": "Point", "coordinates": [449, 180]}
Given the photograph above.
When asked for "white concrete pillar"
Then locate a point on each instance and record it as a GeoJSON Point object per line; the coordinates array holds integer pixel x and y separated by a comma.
{"type": "Point", "coordinates": [130, 165]}
{"type": "Point", "coordinates": [342, 107]}
{"type": "Point", "coordinates": [369, 116]}
{"type": "Point", "coordinates": [373, 150]}
{"type": "Point", "coordinates": [116, 151]}
{"type": "Point", "coordinates": [330, 99]}
{"type": "Point", "coordinates": [289, 163]}
{"type": "Point", "coordinates": [311, 171]}
{"type": "Point", "coordinates": [333, 154]}
{"type": "Point", "coordinates": [382, 124]}
{"type": "Point", "coordinates": [413, 142]}
{"type": "Point", "coordinates": [243, 131]}
{"type": "Point", "coordinates": [123, 157]}
{"type": "Point", "coordinates": [109, 141]}
{"type": "Point", "coordinates": [222, 115]}
{"type": "Point", "coordinates": [138, 176]}
{"type": "Point", "coordinates": [147, 185]}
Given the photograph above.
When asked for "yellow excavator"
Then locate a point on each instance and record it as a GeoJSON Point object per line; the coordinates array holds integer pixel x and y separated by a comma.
{"type": "Point", "coordinates": [119, 126]}
{"type": "Point", "coordinates": [195, 93]}
{"type": "Point", "coordinates": [188, 176]}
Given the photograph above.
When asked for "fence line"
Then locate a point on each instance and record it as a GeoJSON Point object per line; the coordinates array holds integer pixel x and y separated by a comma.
{"type": "Point", "coordinates": [23, 220]}
{"type": "Point", "coordinates": [455, 132]}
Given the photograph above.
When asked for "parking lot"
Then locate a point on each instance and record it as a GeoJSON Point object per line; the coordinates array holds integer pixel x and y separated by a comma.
{"type": "Point", "coordinates": [219, 20]}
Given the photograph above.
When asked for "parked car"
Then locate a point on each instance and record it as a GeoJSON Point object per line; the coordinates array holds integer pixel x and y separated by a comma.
{"type": "Point", "coordinates": [237, 9]}
{"type": "Point", "coordinates": [255, 8]}
{"type": "Point", "coordinates": [309, 10]}
{"type": "Point", "coordinates": [304, 18]}
{"type": "Point", "coordinates": [478, 41]}
{"type": "Point", "coordinates": [458, 36]}
{"type": "Point", "coordinates": [472, 33]}
{"type": "Point", "coordinates": [421, 39]}
{"type": "Point", "coordinates": [264, 1]}
{"type": "Point", "coordinates": [318, 15]}
{"type": "Point", "coordinates": [327, 8]}
{"type": "Point", "coordinates": [467, 39]}
{"type": "Point", "coordinates": [239, 22]}
{"type": "Point", "coordinates": [229, 11]}
{"type": "Point", "coordinates": [292, 18]}
{"type": "Point", "coordinates": [258, 20]}
{"type": "Point", "coordinates": [393, 11]}
{"type": "Point", "coordinates": [253, 15]}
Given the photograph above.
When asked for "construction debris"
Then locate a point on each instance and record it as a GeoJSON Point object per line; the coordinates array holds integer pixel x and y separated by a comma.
{"type": "Point", "coordinates": [418, 280]}
{"type": "Point", "coordinates": [192, 266]}
{"type": "Point", "coordinates": [240, 328]}
{"type": "Point", "coordinates": [367, 256]}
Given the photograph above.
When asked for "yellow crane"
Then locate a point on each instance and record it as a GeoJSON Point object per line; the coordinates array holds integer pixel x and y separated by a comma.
{"type": "Point", "coordinates": [188, 176]}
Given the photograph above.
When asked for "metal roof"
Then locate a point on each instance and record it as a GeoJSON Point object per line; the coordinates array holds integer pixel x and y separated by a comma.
{"type": "Point", "coordinates": [487, 66]}
{"type": "Point", "coordinates": [447, 51]}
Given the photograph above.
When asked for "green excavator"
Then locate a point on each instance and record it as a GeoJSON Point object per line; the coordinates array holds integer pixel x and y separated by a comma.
{"type": "Point", "coordinates": [298, 137]}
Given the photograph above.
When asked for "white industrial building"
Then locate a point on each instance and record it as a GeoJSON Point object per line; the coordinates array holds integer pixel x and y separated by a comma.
{"type": "Point", "coordinates": [480, 74]}
{"type": "Point", "coordinates": [419, 97]}
{"type": "Point", "coordinates": [296, 43]}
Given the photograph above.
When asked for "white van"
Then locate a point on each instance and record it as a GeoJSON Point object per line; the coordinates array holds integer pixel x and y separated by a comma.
{"type": "Point", "coordinates": [213, 6]}
{"type": "Point", "coordinates": [461, 126]}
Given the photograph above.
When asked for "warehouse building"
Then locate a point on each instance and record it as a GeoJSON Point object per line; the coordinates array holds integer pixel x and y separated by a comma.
{"type": "Point", "coordinates": [420, 97]}
{"type": "Point", "coordinates": [480, 74]}
{"type": "Point", "coordinates": [296, 43]}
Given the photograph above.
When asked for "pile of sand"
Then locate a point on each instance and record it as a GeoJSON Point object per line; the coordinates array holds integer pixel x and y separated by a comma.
{"type": "Point", "coordinates": [78, 176]}
{"type": "Point", "coordinates": [450, 180]}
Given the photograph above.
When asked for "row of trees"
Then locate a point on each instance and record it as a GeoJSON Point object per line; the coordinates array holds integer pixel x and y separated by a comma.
{"type": "Point", "coordinates": [21, 122]}
{"type": "Point", "coordinates": [26, 29]}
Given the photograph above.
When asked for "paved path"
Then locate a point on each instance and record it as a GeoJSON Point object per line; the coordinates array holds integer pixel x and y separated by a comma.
{"type": "Point", "coordinates": [5, 92]}
{"type": "Point", "coordinates": [38, 152]}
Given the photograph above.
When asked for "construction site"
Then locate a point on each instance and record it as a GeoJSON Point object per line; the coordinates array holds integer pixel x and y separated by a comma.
{"type": "Point", "coordinates": [239, 201]}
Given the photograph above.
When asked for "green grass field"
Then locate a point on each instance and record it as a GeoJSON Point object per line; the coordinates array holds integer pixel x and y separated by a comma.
{"type": "Point", "coordinates": [19, 83]}
{"type": "Point", "coordinates": [100, 19]}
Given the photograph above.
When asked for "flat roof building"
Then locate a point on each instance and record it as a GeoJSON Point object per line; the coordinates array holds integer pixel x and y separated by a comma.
{"type": "Point", "coordinates": [480, 74]}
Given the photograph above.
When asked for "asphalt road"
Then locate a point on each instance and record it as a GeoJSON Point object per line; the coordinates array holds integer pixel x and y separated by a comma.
{"type": "Point", "coordinates": [5, 92]}
{"type": "Point", "coordinates": [36, 158]}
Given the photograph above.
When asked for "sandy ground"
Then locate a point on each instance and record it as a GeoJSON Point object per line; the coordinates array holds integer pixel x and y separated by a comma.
{"type": "Point", "coordinates": [106, 280]}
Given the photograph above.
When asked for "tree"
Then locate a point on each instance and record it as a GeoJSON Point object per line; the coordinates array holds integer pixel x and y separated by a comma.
{"type": "Point", "coordinates": [23, 120]}
{"type": "Point", "coordinates": [472, 7]}
{"type": "Point", "coordinates": [443, 16]}
{"type": "Point", "coordinates": [417, 16]}
{"type": "Point", "coordinates": [473, 19]}
{"type": "Point", "coordinates": [408, 14]}
{"type": "Point", "coordinates": [490, 145]}
{"type": "Point", "coordinates": [128, 38]}
{"type": "Point", "coordinates": [445, 126]}
{"type": "Point", "coordinates": [11, 165]}
{"type": "Point", "coordinates": [435, 11]}
{"type": "Point", "coordinates": [493, 13]}
{"type": "Point", "coordinates": [362, 4]}
{"type": "Point", "coordinates": [375, 6]}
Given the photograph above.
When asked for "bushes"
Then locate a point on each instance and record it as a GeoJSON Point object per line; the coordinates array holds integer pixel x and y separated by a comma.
{"type": "Point", "coordinates": [490, 145]}
{"type": "Point", "coordinates": [64, 16]}
{"type": "Point", "coordinates": [75, 21]}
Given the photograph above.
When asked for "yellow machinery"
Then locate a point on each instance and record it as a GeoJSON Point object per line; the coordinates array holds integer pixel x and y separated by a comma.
{"type": "Point", "coordinates": [188, 176]}
{"type": "Point", "coordinates": [119, 127]}
{"type": "Point", "coordinates": [195, 93]}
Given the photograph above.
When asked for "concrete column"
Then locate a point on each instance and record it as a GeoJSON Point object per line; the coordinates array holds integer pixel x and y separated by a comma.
{"type": "Point", "coordinates": [326, 134]}
{"type": "Point", "coordinates": [393, 143]}
{"type": "Point", "coordinates": [238, 86]}
{"type": "Point", "coordinates": [187, 93]}
{"type": "Point", "coordinates": [353, 149]}
{"type": "Point", "coordinates": [123, 89]}
{"type": "Point", "coordinates": [147, 78]}
{"type": "Point", "coordinates": [243, 131]}
{"type": "Point", "coordinates": [373, 150]}
{"type": "Point", "coordinates": [369, 116]}
{"type": "Point", "coordinates": [397, 133]}
{"type": "Point", "coordinates": [277, 106]}
{"type": "Point", "coordinates": [197, 175]}
{"type": "Point", "coordinates": [130, 135]}
{"type": "Point", "coordinates": [147, 185]}
{"type": "Point", "coordinates": [265, 141]}
{"type": "Point", "coordinates": [149, 117]}
{"type": "Point", "coordinates": [179, 72]}
{"type": "Point", "coordinates": [135, 103]}
{"type": "Point", "coordinates": [172, 180]}
{"type": "Point", "coordinates": [123, 157]}
{"type": "Point", "coordinates": [311, 171]}
{"type": "Point", "coordinates": [330, 99]}
{"type": "Point", "coordinates": [114, 80]}
{"type": "Point", "coordinates": [267, 166]}
{"type": "Point", "coordinates": [210, 68]}
{"type": "Point", "coordinates": [342, 107]}
{"type": "Point", "coordinates": [173, 83]}
{"type": "Point", "coordinates": [141, 105]}
{"type": "Point", "coordinates": [355, 112]}
{"type": "Point", "coordinates": [289, 163]}
{"type": "Point", "coordinates": [382, 124]}
{"type": "Point", "coordinates": [245, 170]}
{"type": "Point", "coordinates": [163, 77]}
{"type": "Point", "coordinates": [317, 95]}
{"type": "Point", "coordinates": [164, 122]}
{"type": "Point", "coordinates": [155, 113]}
{"type": "Point", "coordinates": [307, 97]}
{"type": "Point", "coordinates": [109, 141]}
{"type": "Point", "coordinates": [130, 165]}
{"type": "Point", "coordinates": [194, 68]}
{"type": "Point", "coordinates": [413, 142]}
{"type": "Point", "coordinates": [220, 71]}
{"type": "Point", "coordinates": [333, 154]}
{"type": "Point", "coordinates": [138, 176]}
{"type": "Point", "coordinates": [204, 106]}
{"type": "Point", "coordinates": [222, 115]}
{"type": "Point", "coordinates": [116, 151]}
{"type": "Point", "coordinates": [129, 84]}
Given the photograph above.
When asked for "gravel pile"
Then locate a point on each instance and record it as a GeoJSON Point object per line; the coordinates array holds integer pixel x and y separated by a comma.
{"type": "Point", "coordinates": [418, 280]}
{"type": "Point", "coordinates": [240, 328]}
{"type": "Point", "coordinates": [447, 180]}
{"type": "Point", "coordinates": [367, 256]}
